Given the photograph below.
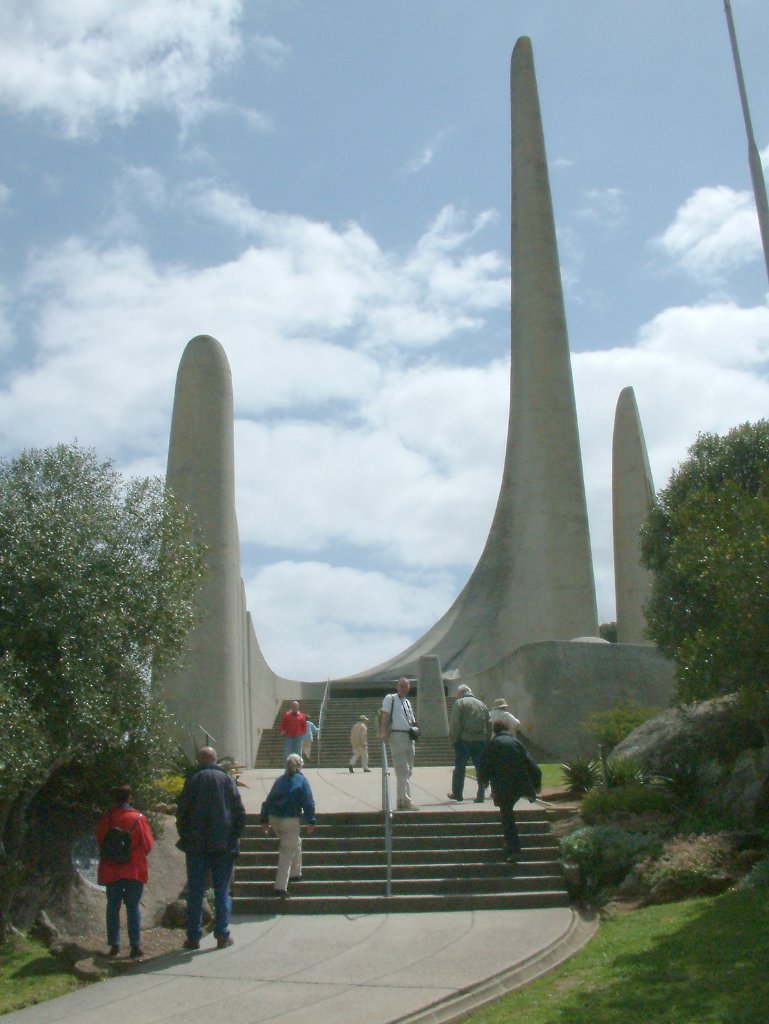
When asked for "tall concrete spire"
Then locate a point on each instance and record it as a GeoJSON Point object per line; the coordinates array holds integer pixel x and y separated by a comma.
{"type": "Point", "coordinates": [534, 580]}
{"type": "Point", "coordinates": [206, 692]}
{"type": "Point", "coordinates": [632, 497]}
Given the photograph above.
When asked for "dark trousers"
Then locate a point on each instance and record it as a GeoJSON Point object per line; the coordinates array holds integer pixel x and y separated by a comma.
{"type": "Point", "coordinates": [464, 751]}
{"type": "Point", "coordinates": [220, 866]}
{"type": "Point", "coordinates": [506, 803]}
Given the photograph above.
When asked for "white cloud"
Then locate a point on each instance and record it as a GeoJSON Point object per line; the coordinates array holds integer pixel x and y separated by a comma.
{"type": "Point", "coordinates": [342, 620]}
{"type": "Point", "coordinates": [427, 154]}
{"type": "Point", "coordinates": [603, 206]}
{"type": "Point", "coordinates": [82, 63]}
{"type": "Point", "coordinates": [693, 369]}
{"type": "Point", "coordinates": [5, 194]}
{"type": "Point", "coordinates": [714, 231]}
{"type": "Point", "coordinates": [357, 438]}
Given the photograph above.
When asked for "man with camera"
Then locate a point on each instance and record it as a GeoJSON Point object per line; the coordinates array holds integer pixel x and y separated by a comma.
{"type": "Point", "coordinates": [399, 727]}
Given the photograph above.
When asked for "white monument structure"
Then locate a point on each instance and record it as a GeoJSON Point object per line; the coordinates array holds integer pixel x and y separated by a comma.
{"type": "Point", "coordinates": [511, 630]}
{"type": "Point", "coordinates": [632, 498]}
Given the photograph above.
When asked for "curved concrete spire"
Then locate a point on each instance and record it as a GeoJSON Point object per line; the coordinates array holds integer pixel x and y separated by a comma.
{"type": "Point", "coordinates": [534, 580]}
{"type": "Point", "coordinates": [206, 689]}
{"type": "Point", "coordinates": [632, 497]}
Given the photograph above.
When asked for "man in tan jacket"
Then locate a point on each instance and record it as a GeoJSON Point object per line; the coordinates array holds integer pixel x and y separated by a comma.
{"type": "Point", "coordinates": [359, 743]}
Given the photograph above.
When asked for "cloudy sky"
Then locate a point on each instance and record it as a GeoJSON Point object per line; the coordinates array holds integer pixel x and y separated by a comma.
{"type": "Point", "coordinates": [323, 185]}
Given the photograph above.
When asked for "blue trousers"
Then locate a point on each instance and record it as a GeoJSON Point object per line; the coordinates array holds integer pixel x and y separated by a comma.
{"type": "Point", "coordinates": [291, 745]}
{"type": "Point", "coordinates": [465, 750]}
{"type": "Point", "coordinates": [220, 866]}
{"type": "Point", "coordinates": [128, 891]}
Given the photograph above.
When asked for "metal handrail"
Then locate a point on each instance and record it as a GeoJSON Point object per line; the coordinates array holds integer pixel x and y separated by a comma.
{"type": "Point", "coordinates": [387, 812]}
{"type": "Point", "coordinates": [321, 716]}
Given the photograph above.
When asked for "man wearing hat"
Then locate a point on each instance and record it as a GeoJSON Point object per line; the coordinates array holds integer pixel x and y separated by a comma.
{"type": "Point", "coordinates": [501, 713]}
{"type": "Point", "coordinates": [468, 732]}
{"type": "Point", "coordinates": [359, 743]}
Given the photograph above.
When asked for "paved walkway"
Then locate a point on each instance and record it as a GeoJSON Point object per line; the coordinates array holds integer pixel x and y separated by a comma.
{"type": "Point", "coordinates": [333, 969]}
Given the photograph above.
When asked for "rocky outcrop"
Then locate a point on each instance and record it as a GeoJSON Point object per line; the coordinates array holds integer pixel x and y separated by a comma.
{"type": "Point", "coordinates": [713, 752]}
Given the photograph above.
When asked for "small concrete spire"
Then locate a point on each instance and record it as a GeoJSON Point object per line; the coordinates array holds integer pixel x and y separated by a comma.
{"type": "Point", "coordinates": [632, 497]}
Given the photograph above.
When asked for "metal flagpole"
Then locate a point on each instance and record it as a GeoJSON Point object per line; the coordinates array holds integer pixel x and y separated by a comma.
{"type": "Point", "coordinates": [754, 160]}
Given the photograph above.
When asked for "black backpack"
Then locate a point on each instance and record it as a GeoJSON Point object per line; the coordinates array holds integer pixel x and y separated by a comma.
{"type": "Point", "coordinates": [116, 845]}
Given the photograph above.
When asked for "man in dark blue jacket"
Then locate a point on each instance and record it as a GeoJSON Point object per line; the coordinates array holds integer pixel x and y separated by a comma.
{"type": "Point", "coordinates": [209, 819]}
{"type": "Point", "coordinates": [507, 767]}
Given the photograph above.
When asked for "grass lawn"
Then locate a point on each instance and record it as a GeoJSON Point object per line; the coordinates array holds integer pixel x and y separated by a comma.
{"type": "Point", "coordinates": [552, 775]}
{"type": "Point", "coordinates": [29, 974]}
{"type": "Point", "coordinates": [702, 961]}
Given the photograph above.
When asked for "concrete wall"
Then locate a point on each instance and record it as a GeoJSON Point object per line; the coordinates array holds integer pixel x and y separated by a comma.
{"type": "Point", "coordinates": [553, 686]}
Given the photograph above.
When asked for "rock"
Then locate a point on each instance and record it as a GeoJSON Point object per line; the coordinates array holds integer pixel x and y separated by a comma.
{"type": "Point", "coordinates": [68, 951]}
{"type": "Point", "coordinates": [175, 914]}
{"type": "Point", "coordinates": [714, 730]}
{"type": "Point", "coordinates": [667, 890]}
{"type": "Point", "coordinates": [718, 882]}
{"type": "Point", "coordinates": [747, 858]}
{"type": "Point", "coordinates": [89, 970]}
{"type": "Point", "coordinates": [712, 751]}
{"type": "Point", "coordinates": [43, 929]}
{"type": "Point", "coordinates": [746, 788]}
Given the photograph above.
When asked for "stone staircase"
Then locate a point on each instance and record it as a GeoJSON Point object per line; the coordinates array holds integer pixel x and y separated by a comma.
{"type": "Point", "coordinates": [442, 861]}
{"type": "Point", "coordinates": [342, 712]}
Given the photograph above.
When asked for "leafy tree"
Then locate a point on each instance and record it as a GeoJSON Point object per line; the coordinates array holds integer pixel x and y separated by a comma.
{"type": "Point", "coordinates": [97, 585]}
{"type": "Point", "coordinates": [707, 544]}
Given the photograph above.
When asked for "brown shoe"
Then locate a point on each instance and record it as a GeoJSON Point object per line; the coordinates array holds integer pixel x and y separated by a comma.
{"type": "Point", "coordinates": [223, 941]}
{"type": "Point", "coordinates": [190, 944]}
{"type": "Point", "coordinates": [136, 952]}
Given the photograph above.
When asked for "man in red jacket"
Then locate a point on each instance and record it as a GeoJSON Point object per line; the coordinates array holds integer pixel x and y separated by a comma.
{"type": "Point", "coordinates": [293, 726]}
{"type": "Point", "coordinates": [124, 881]}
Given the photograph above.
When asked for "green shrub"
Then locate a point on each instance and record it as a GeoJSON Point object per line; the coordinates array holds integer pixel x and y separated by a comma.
{"type": "Point", "coordinates": [691, 862]}
{"type": "Point", "coordinates": [633, 798]}
{"type": "Point", "coordinates": [623, 771]}
{"type": "Point", "coordinates": [581, 774]}
{"type": "Point", "coordinates": [609, 727]}
{"type": "Point", "coordinates": [605, 854]}
{"type": "Point", "coordinates": [757, 877]}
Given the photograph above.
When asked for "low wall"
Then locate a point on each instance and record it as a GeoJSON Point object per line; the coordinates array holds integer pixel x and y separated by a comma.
{"type": "Point", "coordinates": [555, 685]}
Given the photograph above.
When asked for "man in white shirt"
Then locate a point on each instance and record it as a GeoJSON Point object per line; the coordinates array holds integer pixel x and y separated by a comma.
{"type": "Point", "coordinates": [398, 723]}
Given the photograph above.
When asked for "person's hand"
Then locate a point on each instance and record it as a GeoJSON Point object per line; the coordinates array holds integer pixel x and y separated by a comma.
{"type": "Point", "coordinates": [266, 829]}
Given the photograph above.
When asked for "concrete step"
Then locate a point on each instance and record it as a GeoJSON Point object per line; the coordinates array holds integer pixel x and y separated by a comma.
{"type": "Point", "coordinates": [443, 860]}
{"type": "Point", "coordinates": [422, 857]}
{"type": "Point", "coordinates": [405, 830]}
{"type": "Point", "coordinates": [483, 814]}
{"type": "Point", "coordinates": [347, 904]}
{"type": "Point", "coordinates": [352, 851]}
{"type": "Point", "coordinates": [336, 872]}
{"type": "Point", "coordinates": [457, 885]}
